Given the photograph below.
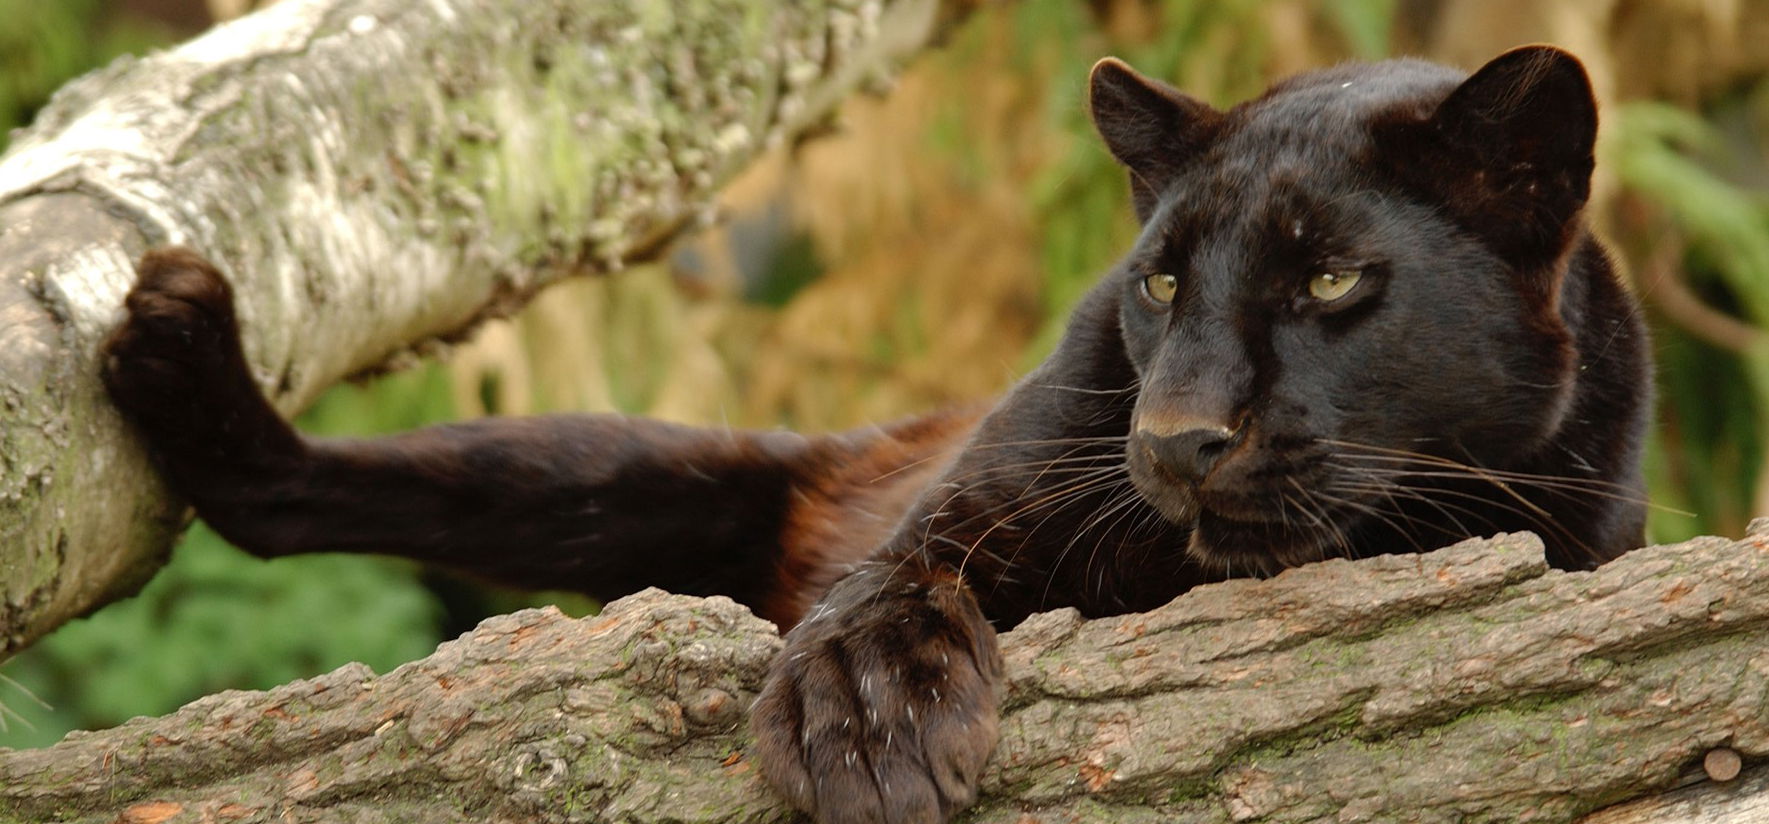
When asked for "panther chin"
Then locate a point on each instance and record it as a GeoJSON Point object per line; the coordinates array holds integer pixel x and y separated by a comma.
{"type": "Point", "coordinates": [1235, 546]}
{"type": "Point", "coordinates": [1239, 535]}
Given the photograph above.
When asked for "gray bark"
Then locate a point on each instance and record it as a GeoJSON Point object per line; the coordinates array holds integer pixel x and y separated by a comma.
{"type": "Point", "coordinates": [1468, 684]}
{"type": "Point", "coordinates": [376, 176]}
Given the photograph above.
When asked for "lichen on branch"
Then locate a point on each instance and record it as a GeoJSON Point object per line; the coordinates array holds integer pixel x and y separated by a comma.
{"type": "Point", "coordinates": [376, 177]}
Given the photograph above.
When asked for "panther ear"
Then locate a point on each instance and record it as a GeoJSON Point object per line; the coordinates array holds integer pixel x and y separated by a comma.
{"type": "Point", "coordinates": [1518, 137]}
{"type": "Point", "coordinates": [1148, 126]}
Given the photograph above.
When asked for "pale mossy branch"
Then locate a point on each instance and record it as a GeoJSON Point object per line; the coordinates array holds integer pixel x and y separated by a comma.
{"type": "Point", "coordinates": [375, 176]}
{"type": "Point", "coordinates": [1468, 684]}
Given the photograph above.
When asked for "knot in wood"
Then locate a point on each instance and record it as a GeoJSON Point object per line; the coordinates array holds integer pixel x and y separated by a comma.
{"type": "Point", "coordinates": [713, 707]}
{"type": "Point", "coordinates": [538, 768]}
{"type": "Point", "coordinates": [1722, 764]}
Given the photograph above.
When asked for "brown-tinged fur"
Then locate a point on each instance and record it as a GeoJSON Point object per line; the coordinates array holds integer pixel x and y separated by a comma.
{"type": "Point", "coordinates": [1217, 407]}
{"type": "Point", "coordinates": [603, 504]}
{"type": "Point", "coordinates": [850, 501]}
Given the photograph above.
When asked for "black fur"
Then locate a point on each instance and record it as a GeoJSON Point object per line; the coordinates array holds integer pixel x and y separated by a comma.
{"type": "Point", "coordinates": [1484, 371]}
{"type": "Point", "coordinates": [1488, 373]}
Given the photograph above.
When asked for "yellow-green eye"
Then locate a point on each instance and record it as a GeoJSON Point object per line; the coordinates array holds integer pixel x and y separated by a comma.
{"type": "Point", "coordinates": [1160, 288]}
{"type": "Point", "coordinates": [1330, 286]}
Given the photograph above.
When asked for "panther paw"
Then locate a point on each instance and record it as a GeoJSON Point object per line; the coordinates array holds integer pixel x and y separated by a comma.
{"type": "Point", "coordinates": [179, 341]}
{"type": "Point", "coordinates": [883, 709]}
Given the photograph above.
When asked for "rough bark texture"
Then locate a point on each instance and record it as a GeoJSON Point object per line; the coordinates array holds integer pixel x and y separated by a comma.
{"type": "Point", "coordinates": [376, 175]}
{"type": "Point", "coordinates": [1469, 684]}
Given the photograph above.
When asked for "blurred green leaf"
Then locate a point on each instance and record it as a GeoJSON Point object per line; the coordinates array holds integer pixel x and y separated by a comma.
{"type": "Point", "coordinates": [43, 45]}
{"type": "Point", "coordinates": [1707, 455]}
{"type": "Point", "coordinates": [213, 619]}
{"type": "Point", "coordinates": [1366, 24]}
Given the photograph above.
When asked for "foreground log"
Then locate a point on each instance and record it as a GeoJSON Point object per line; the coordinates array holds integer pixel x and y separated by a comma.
{"type": "Point", "coordinates": [1468, 684]}
{"type": "Point", "coordinates": [377, 176]}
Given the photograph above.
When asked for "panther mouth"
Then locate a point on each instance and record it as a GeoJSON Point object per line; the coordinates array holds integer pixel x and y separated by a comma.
{"type": "Point", "coordinates": [1252, 525]}
{"type": "Point", "coordinates": [1241, 532]}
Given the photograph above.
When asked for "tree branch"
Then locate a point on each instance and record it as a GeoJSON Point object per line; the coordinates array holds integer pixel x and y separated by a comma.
{"type": "Point", "coordinates": [1470, 683]}
{"type": "Point", "coordinates": [377, 176]}
{"type": "Point", "coordinates": [1667, 289]}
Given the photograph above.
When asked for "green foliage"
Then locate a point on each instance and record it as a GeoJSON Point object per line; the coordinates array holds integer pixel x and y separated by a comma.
{"type": "Point", "coordinates": [1676, 159]}
{"type": "Point", "coordinates": [794, 267]}
{"type": "Point", "coordinates": [391, 403]}
{"type": "Point", "coordinates": [1708, 455]}
{"type": "Point", "coordinates": [1366, 24]}
{"type": "Point", "coordinates": [45, 44]}
{"type": "Point", "coordinates": [215, 619]}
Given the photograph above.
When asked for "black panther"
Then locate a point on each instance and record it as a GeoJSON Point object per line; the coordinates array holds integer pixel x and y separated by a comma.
{"type": "Point", "coordinates": [1364, 315]}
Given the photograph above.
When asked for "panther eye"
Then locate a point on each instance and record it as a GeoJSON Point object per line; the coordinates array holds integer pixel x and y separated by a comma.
{"type": "Point", "coordinates": [1331, 286]}
{"type": "Point", "coordinates": [1160, 288]}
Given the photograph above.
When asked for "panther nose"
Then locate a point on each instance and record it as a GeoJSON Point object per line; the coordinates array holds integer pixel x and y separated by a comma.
{"type": "Point", "coordinates": [1188, 454]}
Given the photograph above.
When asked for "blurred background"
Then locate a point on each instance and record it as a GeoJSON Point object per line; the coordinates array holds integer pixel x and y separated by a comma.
{"type": "Point", "coordinates": [923, 252]}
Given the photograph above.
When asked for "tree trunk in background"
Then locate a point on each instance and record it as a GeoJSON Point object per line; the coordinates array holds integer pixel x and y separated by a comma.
{"type": "Point", "coordinates": [376, 176]}
{"type": "Point", "coordinates": [1469, 684]}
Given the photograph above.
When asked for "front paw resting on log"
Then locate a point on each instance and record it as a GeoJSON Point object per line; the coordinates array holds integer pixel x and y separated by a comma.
{"type": "Point", "coordinates": [882, 708]}
{"type": "Point", "coordinates": [175, 370]}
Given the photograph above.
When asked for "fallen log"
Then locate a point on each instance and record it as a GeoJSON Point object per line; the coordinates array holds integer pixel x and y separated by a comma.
{"type": "Point", "coordinates": [1468, 684]}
